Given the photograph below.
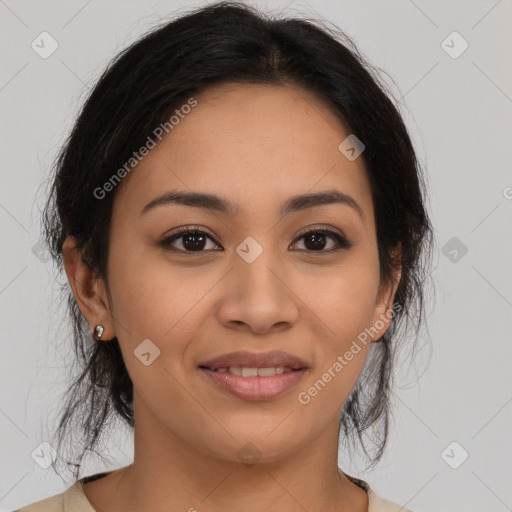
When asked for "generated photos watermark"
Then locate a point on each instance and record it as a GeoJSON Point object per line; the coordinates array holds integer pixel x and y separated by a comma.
{"type": "Point", "coordinates": [138, 156]}
{"type": "Point", "coordinates": [304, 397]}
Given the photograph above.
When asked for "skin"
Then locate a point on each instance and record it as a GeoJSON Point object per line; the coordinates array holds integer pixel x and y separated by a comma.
{"type": "Point", "coordinates": [256, 146]}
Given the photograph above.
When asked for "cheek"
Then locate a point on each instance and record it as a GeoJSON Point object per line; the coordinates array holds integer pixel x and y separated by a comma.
{"type": "Point", "coordinates": [156, 302]}
{"type": "Point", "coordinates": [342, 309]}
{"type": "Point", "coordinates": [159, 301]}
{"type": "Point", "coordinates": [342, 299]}
{"type": "Point", "coordinates": [344, 313]}
{"type": "Point", "coordinates": [139, 292]}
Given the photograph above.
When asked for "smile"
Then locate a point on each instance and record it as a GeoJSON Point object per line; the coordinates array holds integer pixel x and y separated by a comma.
{"type": "Point", "coordinates": [254, 383]}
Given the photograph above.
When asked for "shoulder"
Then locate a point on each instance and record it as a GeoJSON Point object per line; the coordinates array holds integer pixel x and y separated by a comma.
{"type": "Point", "coordinates": [375, 502]}
{"type": "Point", "coordinates": [52, 504]}
{"type": "Point", "coordinates": [71, 500]}
{"type": "Point", "coordinates": [378, 504]}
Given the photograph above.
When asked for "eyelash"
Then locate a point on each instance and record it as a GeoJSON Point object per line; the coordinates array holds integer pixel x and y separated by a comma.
{"type": "Point", "coordinates": [342, 242]}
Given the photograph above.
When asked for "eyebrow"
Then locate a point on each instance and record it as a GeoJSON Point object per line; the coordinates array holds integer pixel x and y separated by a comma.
{"type": "Point", "coordinates": [213, 202]}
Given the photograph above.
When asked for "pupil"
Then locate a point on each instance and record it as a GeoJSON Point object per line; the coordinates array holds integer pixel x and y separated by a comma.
{"type": "Point", "coordinates": [318, 241]}
{"type": "Point", "coordinates": [196, 244]}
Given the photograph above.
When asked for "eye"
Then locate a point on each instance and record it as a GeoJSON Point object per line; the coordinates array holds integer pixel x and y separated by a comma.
{"type": "Point", "coordinates": [315, 240]}
{"type": "Point", "coordinates": [191, 239]}
{"type": "Point", "coordinates": [194, 240]}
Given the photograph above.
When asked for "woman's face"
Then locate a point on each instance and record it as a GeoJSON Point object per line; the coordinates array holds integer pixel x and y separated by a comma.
{"type": "Point", "coordinates": [250, 281]}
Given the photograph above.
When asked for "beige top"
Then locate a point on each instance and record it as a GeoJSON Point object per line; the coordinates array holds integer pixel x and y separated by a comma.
{"type": "Point", "coordinates": [75, 500]}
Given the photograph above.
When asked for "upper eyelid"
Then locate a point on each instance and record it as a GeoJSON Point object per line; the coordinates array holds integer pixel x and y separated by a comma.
{"type": "Point", "coordinates": [314, 228]}
{"type": "Point", "coordinates": [196, 228]}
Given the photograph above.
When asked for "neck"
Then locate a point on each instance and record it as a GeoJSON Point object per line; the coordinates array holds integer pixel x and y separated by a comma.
{"type": "Point", "coordinates": [178, 476]}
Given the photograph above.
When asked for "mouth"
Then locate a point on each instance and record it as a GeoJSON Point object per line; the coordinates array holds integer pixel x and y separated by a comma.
{"type": "Point", "coordinates": [253, 376]}
{"type": "Point", "coordinates": [243, 371]}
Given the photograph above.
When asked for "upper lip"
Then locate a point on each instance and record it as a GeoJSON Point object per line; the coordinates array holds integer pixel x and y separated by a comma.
{"type": "Point", "coordinates": [245, 359]}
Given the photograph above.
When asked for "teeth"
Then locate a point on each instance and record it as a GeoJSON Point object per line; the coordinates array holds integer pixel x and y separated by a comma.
{"type": "Point", "coordinates": [249, 372]}
{"type": "Point", "coordinates": [255, 372]}
{"type": "Point", "coordinates": [268, 372]}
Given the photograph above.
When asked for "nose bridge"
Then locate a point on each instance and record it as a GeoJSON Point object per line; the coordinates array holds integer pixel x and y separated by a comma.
{"type": "Point", "coordinates": [256, 265]}
{"type": "Point", "coordinates": [258, 295]}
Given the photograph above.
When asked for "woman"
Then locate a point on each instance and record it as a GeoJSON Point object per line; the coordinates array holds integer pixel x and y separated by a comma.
{"type": "Point", "coordinates": [240, 215]}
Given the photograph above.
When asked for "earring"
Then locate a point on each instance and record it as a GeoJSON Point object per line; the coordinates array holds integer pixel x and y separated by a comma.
{"type": "Point", "coordinates": [98, 330]}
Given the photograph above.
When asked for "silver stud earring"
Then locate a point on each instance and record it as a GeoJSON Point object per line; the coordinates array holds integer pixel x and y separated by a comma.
{"type": "Point", "coordinates": [98, 330]}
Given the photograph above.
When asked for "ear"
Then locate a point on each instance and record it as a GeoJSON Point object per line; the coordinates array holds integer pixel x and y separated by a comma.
{"type": "Point", "coordinates": [89, 290]}
{"type": "Point", "coordinates": [383, 312]}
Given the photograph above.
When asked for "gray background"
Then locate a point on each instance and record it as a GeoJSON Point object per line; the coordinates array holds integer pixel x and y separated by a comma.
{"type": "Point", "coordinates": [459, 111]}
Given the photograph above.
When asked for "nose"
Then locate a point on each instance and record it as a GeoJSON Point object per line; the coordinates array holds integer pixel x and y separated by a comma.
{"type": "Point", "coordinates": [259, 298]}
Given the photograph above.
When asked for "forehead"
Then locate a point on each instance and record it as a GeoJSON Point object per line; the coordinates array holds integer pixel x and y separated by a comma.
{"type": "Point", "coordinates": [242, 142]}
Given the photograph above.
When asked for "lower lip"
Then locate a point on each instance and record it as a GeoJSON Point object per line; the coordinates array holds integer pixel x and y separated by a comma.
{"type": "Point", "coordinates": [255, 388]}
